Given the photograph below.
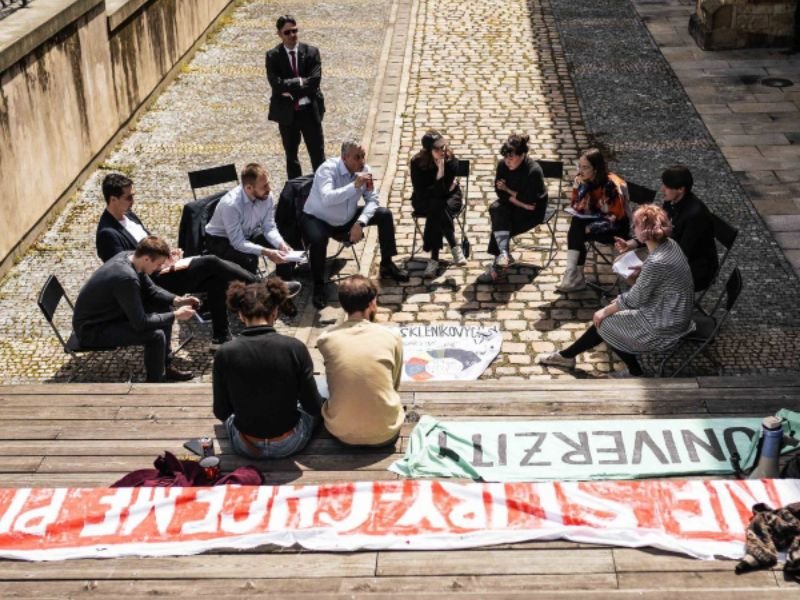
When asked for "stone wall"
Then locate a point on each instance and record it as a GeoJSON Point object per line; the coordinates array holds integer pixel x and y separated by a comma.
{"type": "Point", "coordinates": [72, 73]}
{"type": "Point", "coordinates": [728, 24]}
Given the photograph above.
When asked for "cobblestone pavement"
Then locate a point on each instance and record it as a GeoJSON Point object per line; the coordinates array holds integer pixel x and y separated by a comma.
{"type": "Point", "coordinates": [476, 70]}
{"type": "Point", "coordinates": [214, 113]}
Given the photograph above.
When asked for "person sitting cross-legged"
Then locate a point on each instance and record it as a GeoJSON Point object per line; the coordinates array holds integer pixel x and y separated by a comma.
{"type": "Point", "coordinates": [437, 196]}
{"type": "Point", "coordinates": [654, 314]}
{"type": "Point", "coordinates": [264, 387]}
{"type": "Point", "coordinates": [332, 210]}
{"type": "Point", "coordinates": [363, 364]}
{"type": "Point", "coordinates": [599, 193]}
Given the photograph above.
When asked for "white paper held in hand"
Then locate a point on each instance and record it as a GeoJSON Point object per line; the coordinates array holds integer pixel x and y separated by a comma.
{"type": "Point", "coordinates": [586, 217]}
{"type": "Point", "coordinates": [626, 263]}
{"type": "Point", "coordinates": [296, 256]}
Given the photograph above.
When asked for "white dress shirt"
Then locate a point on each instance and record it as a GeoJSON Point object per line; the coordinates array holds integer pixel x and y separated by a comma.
{"type": "Point", "coordinates": [238, 218]}
{"type": "Point", "coordinates": [334, 197]}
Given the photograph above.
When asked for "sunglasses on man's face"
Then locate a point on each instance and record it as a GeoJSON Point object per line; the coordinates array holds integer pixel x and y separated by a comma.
{"type": "Point", "coordinates": [290, 31]}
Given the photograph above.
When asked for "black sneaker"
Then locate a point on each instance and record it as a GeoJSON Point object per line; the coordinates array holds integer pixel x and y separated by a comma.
{"type": "Point", "coordinates": [392, 271]}
{"type": "Point", "coordinates": [319, 298]}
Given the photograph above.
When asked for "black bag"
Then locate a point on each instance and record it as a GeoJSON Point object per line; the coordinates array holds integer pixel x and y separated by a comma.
{"type": "Point", "coordinates": [466, 247]}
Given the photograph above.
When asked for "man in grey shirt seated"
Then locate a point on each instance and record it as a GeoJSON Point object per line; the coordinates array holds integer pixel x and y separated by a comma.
{"type": "Point", "coordinates": [121, 306]}
{"type": "Point", "coordinates": [243, 225]}
{"type": "Point", "coordinates": [332, 209]}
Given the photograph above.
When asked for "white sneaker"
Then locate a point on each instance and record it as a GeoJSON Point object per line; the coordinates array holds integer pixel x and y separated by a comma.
{"type": "Point", "coordinates": [432, 269]}
{"type": "Point", "coordinates": [502, 261]}
{"type": "Point", "coordinates": [554, 359]}
{"type": "Point", "coordinates": [572, 283]}
{"type": "Point", "coordinates": [458, 255]}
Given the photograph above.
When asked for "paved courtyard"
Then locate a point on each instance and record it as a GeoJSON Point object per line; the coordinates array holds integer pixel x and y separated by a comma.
{"type": "Point", "coordinates": [476, 70]}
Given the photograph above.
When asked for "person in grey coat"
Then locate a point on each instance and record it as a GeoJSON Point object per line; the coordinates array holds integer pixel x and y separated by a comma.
{"type": "Point", "coordinates": [654, 314]}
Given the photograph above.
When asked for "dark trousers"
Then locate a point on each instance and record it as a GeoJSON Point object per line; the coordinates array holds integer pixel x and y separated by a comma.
{"type": "Point", "coordinates": [507, 217]}
{"type": "Point", "coordinates": [317, 232]}
{"type": "Point", "coordinates": [221, 247]}
{"type": "Point", "coordinates": [439, 212]}
{"type": "Point", "coordinates": [577, 235]}
{"type": "Point", "coordinates": [305, 123]}
{"type": "Point", "coordinates": [211, 275]}
{"type": "Point", "coordinates": [590, 339]}
{"type": "Point", "coordinates": [156, 343]}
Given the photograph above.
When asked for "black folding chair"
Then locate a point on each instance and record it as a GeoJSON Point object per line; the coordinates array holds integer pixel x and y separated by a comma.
{"type": "Point", "coordinates": [726, 235]}
{"type": "Point", "coordinates": [460, 218]}
{"type": "Point", "coordinates": [708, 325]}
{"type": "Point", "coordinates": [212, 176]}
{"type": "Point", "coordinates": [49, 298]}
{"type": "Point", "coordinates": [554, 170]}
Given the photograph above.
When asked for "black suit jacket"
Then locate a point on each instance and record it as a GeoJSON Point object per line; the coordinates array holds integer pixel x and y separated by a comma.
{"type": "Point", "coordinates": [693, 229]}
{"type": "Point", "coordinates": [279, 74]}
{"type": "Point", "coordinates": [112, 238]}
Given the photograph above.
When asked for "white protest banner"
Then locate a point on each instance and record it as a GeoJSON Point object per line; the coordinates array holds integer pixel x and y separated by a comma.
{"type": "Point", "coordinates": [698, 518]}
{"type": "Point", "coordinates": [448, 352]}
{"type": "Point", "coordinates": [575, 450]}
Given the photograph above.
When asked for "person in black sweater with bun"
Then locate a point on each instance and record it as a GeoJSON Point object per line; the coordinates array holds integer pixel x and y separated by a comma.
{"type": "Point", "coordinates": [264, 388]}
{"type": "Point", "coordinates": [521, 202]}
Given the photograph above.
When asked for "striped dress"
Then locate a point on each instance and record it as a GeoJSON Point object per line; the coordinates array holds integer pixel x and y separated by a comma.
{"type": "Point", "coordinates": [657, 311]}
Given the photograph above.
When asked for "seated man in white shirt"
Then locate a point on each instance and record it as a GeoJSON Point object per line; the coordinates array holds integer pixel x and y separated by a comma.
{"type": "Point", "coordinates": [243, 225]}
{"type": "Point", "coordinates": [332, 209]}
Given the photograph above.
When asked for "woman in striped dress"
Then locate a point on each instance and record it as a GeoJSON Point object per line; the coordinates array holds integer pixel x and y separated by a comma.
{"type": "Point", "coordinates": [654, 314]}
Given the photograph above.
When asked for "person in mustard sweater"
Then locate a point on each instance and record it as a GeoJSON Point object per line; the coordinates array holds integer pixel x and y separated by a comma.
{"type": "Point", "coordinates": [363, 363]}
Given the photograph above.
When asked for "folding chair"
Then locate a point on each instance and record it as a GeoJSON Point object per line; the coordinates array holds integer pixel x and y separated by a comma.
{"type": "Point", "coordinates": [634, 194]}
{"type": "Point", "coordinates": [552, 169]}
{"type": "Point", "coordinates": [49, 298]}
{"type": "Point", "coordinates": [212, 176]}
{"type": "Point", "coordinates": [708, 325]}
{"type": "Point", "coordinates": [460, 218]}
{"type": "Point", "coordinates": [726, 235]}
{"type": "Point", "coordinates": [295, 193]}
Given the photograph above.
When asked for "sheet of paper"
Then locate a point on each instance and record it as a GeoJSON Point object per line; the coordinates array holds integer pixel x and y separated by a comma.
{"type": "Point", "coordinates": [296, 256]}
{"type": "Point", "coordinates": [571, 211]}
{"type": "Point", "coordinates": [625, 264]}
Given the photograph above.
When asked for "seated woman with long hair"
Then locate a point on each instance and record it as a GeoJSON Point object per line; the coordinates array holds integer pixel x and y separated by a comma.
{"type": "Point", "coordinates": [264, 388]}
{"type": "Point", "coordinates": [437, 197]}
{"type": "Point", "coordinates": [599, 193]}
{"type": "Point", "coordinates": [654, 314]}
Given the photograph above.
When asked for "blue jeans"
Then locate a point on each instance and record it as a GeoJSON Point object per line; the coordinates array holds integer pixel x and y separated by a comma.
{"type": "Point", "coordinates": [266, 449]}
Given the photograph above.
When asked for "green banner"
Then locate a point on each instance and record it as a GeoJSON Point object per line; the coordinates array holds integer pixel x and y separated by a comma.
{"type": "Point", "coordinates": [582, 450]}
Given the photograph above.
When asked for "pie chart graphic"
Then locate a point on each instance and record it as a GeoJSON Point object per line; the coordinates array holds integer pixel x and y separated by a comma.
{"type": "Point", "coordinates": [439, 364]}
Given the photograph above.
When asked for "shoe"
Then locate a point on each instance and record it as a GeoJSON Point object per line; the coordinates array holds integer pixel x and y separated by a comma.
{"type": "Point", "coordinates": [502, 261]}
{"type": "Point", "coordinates": [218, 341]}
{"type": "Point", "coordinates": [458, 255]}
{"type": "Point", "coordinates": [431, 269]}
{"type": "Point", "coordinates": [392, 271]}
{"type": "Point", "coordinates": [554, 359]}
{"type": "Point", "coordinates": [294, 288]}
{"type": "Point", "coordinates": [572, 281]}
{"type": "Point", "coordinates": [173, 373]}
{"type": "Point", "coordinates": [489, 276]}
{"type": "Point", "coordinates": [319, 299]}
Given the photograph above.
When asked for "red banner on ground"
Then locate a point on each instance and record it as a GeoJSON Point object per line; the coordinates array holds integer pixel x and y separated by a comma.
{"type": "Point", "coordinates": [699, 518]}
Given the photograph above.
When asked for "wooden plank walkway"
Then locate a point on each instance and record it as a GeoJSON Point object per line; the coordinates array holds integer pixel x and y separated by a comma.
{"type": "Point", "coordinates": [90, 435]}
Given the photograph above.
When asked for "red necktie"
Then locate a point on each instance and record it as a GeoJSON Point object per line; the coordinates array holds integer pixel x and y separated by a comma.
{"type": "Point", "coordinates": [293, 62]}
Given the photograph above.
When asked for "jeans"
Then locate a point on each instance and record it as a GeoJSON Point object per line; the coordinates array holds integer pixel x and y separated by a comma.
{"type": "Point", "coordinates": [266, 449]}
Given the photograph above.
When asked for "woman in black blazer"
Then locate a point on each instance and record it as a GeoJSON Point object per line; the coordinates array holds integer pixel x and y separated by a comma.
{"type": "Point", "coordinates": [437, 197]}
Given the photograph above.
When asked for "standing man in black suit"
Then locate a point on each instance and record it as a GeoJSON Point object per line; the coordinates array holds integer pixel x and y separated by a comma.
{"type": "Point", "coordinates": [294, 72]}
